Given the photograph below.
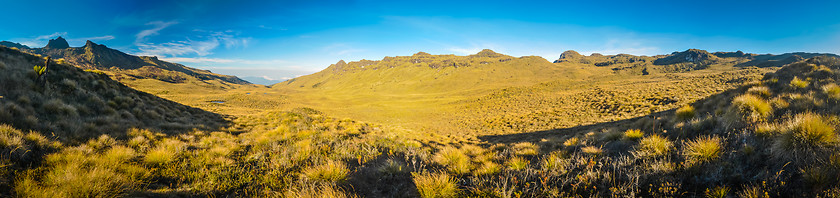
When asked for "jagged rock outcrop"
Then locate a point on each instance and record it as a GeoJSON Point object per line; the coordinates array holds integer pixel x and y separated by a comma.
{"type": "Point", "coordinates": [689, 56]}
{"type": "Point", "coordinates": [58, 43]}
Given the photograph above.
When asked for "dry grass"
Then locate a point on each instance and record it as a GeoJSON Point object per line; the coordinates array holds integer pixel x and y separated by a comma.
{"type": "Point", "coordinates": [703, 149]}
{"type": "Point", "coordinates": [434, 185]}
{"type": "Point", "coordinates": [633, 134]}
{"type": "Point", "coordinates": [685, 113]}
{"type": "Point", "coordinates": [653, 146]}
{"type": "Point", "coordinates": [752, 108]}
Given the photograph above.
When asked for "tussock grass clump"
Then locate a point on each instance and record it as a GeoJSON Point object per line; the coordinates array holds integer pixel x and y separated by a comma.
{"type": "Point", "coordinates": [316, 191]}
{"type": "Point", "coordinates": [526, 149]}
{"type": "Point", "coordinates": [807, 135]}
{"type": "Point", "coordinates": [685, 113]}
{"type": "Point", "coordinates": [799, 83]}
{"type": "Point", "coordinates": [717, 192]}
{"type": "Point", "coordinates": [592, 150]}
{"type": "Point", "coordinates": [554, 163]}
{"type": "Point", "coordinates": [331, 172]}
{"type": "Point", "coordinates": [574, 141]}
{"type": "Point", "coordinates": [517, 163]}
{"type": "Point", "coordinates": [435, 185]}
{"type": "Point", "coordinates": [832, 90]}
{"type": "Point", "coordinates": [761, 91]}
{"type": "Point", "coordinates": [752, 107]}
{"type": "Point", "coordinates": [703, 149]}
{"type": "Point", "coordinates": [653, 146]}
{"type": "Point", "coordinates": [454, 159]}
{"type": "Point", "coordinates": [633, 134]}
{"type": "Point", "coordinates": [488, 168]}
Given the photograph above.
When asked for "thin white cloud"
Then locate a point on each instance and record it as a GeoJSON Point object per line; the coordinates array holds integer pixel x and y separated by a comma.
{"type": "Point", "coordinates": [158, 26]}
{"type": "Point", "coordinates": [205, 44]}
{"type": "Point", "coordinates": [51, 36]}
{"type": "Point", "coordinates": [221, 60]}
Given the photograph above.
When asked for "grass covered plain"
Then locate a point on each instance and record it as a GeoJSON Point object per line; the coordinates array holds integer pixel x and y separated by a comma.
{"type": "Point", "coordinates": [486, 125]}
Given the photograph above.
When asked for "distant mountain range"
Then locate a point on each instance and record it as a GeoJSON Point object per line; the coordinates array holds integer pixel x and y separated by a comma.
{"type": "Point", "coordinates": [100, 57]}
{"type": "Point", "coordinates": [261, 80]}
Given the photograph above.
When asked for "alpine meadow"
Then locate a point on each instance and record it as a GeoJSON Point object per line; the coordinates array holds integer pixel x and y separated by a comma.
{"type": "Point", "coordinates": [472, 99]}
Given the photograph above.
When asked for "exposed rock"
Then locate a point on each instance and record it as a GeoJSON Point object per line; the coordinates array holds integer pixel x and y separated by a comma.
{"type": "Point", "coordinates": [689, 56]}
{"type": "Point", "coordinates": [58, 43]}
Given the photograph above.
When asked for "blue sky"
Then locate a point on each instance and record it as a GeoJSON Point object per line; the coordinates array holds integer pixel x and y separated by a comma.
{"type": "Point", "coordinates": [284, 39]}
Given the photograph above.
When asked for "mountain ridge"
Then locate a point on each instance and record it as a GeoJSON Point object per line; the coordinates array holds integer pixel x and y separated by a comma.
{"type": "Point", "coordinates": [100, 57]}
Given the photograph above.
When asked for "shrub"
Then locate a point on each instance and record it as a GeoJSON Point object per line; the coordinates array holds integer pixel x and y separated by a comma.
{"type": "Point", "coordinates": [703, 149]}
{"type": "Point", "coordinates": [331, 172]}
{"type": "Point", "coordinates": [633, 134]}
{"type": "Point", "coordinates": [433, 185]}
{"type": "Point", "coordinates": [653, 146]}
{"type": "Point", "coordinates": [798, 83]}
{"type": "Point", "coordinates": [685, 113]}
{"type": "Point", "coordinates": [752, 107]}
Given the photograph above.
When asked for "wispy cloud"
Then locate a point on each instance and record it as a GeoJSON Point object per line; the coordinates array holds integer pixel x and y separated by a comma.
{"type": "Point", "coordinates": [95, 38]}
{"type": "Point", "coordinates": [222, 60]}
{"type": "Point", "coordinates": [157, 27]}
{"type": "Point", "coordinates": [202, 47]}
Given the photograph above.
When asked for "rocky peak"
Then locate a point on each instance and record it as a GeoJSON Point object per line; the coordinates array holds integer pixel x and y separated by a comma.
{"type": "Point", "coordinates": [570, 54]}
{"type": "Point", "coordinates": [487, 53]}
{"type": "Point", "coordinates": [688, 56]}
{"type": "Point", "coordinates": [421, 54]}
{"type": "Point", "coordinates": [58, 43]}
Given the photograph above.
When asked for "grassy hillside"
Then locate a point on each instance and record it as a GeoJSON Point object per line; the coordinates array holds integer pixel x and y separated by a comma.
{"type": "Point", "coordinates": [484, 125]}
{"type": "Point", "coordinates": [125, 67]}
{"type": "Point", "coordinates": [73, 104]}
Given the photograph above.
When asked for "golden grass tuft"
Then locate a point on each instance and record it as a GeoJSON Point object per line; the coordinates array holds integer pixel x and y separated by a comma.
{"type": "Point", "coordinates": [653, 146]}
{"type": "Point", "coordinates": [751, 107]}
{"type": "Point", "coordinates": [806, 133]}
{"type": "Point", "coordinates": [526, 149]}
{"type": "Point", "coordinates": [798, 83]}
{"type": "Point", "coordinates": [703, 149]}
{"type": "Point", "coordinates": [454, 159]}
{"type": "Point", "coordinates": [717, 192]}
{"type": "Point", "coordinates": [832, 90]}
{"type": "Point", "coordinates": [435, 185]}
{"type": "Point", "coordinates": [517, 163]}
{"type": "Point", "coordinates": [762, 91]}
{"type": "Point", "coordinates": [592, 150]}
{"type": "Point", "coordinates": [633, 134]}
{"type": "Point", "coordinates": [574, 141]}
{"type": "Point", "coordinates": [329, 172]}
{"type": "Point", "coordinates": [685, 113]}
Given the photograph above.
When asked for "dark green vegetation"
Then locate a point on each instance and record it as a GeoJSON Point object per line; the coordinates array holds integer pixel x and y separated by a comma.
{"type": "Point", "coordinates": [689, 124]}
